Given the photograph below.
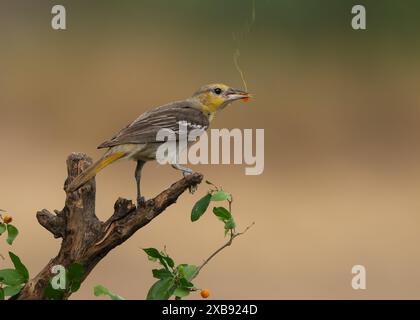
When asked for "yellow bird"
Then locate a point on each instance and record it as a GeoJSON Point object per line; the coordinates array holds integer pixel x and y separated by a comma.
{"type": "Point", "coordinates": [138, 141]}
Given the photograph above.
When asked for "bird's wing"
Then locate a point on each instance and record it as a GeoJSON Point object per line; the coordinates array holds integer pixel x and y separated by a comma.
{"type": "Point", "coordinates": [145, 128]}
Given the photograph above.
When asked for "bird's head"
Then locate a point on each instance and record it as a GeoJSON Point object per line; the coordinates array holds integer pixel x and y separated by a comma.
{"type": "Point", "coordinates": [214, 97]}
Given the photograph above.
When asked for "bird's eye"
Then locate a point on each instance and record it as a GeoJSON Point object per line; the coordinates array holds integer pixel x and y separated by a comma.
{"type": "Point", "coordinates": [217, 91]}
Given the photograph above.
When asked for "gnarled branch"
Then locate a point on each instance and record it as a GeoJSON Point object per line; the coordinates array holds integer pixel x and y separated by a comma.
{"type": "Point", "coordinates": [86, 239]}
{"type": "Point", "coordinates": [53, 223]}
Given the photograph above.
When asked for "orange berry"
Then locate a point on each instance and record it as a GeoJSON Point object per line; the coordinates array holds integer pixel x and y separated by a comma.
{"type": "Point", "coordinates": [7, 219]}
{"type": "Point", "coordinates": [246, 99]}
{"type": "Point", "coordinates": [205, 293]}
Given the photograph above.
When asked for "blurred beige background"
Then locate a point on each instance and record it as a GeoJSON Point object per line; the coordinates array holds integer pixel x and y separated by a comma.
{"type": "Point", "coordinates": [341, 115]}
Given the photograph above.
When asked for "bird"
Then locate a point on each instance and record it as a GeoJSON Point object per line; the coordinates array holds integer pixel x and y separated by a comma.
{"type": "Point", "coordinates": [138, 141]}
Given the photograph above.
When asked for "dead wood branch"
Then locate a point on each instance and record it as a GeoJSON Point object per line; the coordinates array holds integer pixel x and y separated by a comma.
{"type": "Point", "coordinates": [86, 239]}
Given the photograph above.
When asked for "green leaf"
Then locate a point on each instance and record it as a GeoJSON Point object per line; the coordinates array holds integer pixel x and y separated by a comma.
{"type": "Point", "coordinates": [11, 277]}
{"type": "Point", "coordinates": [53, 294]}
{"type": "Point", "coordinates": [161, 273]}
{"type": "Point", "coordinates": [168, 261]}
{"type": "Point", "coordinates": [1, 294]}
{"type": "Point", "coordinates": [164, 264]}
{"type": "Point", "coordinates": [161, 290]}
{"type": "Point", "coordinates": [75, 285]}
{"type": "Point", "coordinates": [151, 259]}
{"type": "Point", "coordinates": [181, 292]}
{"type": "Point", "coordinates": [164, 260]}
{"type": "Point", "coordinates": [153, 253]}
{"type": "Point", "coordinates": [12, 233]}
{"type": "Point", "coordinates": [11, 291]}
{"type": "Point", "coordinates": [222, 213]}
{"type": "Point", "coordinates": [102, 291]}
{"type": "Point", "coordinates": [220, 196]}
{"type": "Point", "coordinates": [75, 271]}
{"type": "Point", "coordinates": [188, 271]}
{"type": "Point", "coordinates": [19, 266]}
{"type": "Point", "coordinates": [200, 207]}
{"type": "Point", "coordinates": [230, 224]}
{"type": "Point", "coordinates": [185, 283]}
{"type": "Point", "coordinates": [74, 275]}
{"type": "Point", "coordinates": [2, 228]}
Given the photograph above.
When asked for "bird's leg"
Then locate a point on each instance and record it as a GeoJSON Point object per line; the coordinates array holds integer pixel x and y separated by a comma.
{"type": "Point", "coordinates": [185, 172]}
{"type": "Point", "coordinates": [137, 175]}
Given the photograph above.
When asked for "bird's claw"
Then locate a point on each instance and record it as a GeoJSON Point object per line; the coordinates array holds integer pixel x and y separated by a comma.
{"type": "Point", "coordinates": [192, 189]}
{"type": "Point", "coordinates": [187, 173]}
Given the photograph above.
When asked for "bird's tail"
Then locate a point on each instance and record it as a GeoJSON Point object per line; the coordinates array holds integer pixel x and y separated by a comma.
{"type": "Point", "coordinates": [90, 172]}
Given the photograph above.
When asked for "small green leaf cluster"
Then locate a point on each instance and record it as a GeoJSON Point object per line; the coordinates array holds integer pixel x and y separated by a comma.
{"type": "Point", "coordinates": [11, 280]}
{"type": "Point", "coordinates": [222, 213]}
{"type": "Point", "coordinates": [12, 231]}
{"type": "Point", "coordinates": [172, 280]}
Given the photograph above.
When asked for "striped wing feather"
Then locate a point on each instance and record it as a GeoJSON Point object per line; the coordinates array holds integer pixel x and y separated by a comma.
{"type": "Point", "coordinates": [145, 128]}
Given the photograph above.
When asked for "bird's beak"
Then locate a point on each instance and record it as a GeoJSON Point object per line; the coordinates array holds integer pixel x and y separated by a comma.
{"type": "Point", "coordinates": [236, 94]}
